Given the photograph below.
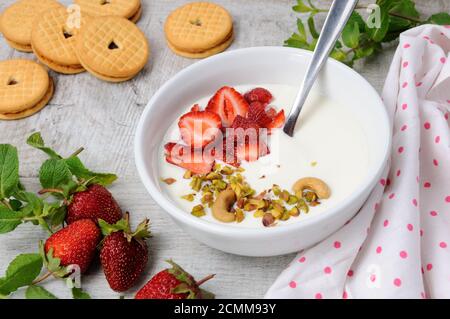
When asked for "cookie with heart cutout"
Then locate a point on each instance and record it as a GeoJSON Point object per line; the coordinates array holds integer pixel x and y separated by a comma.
{"type": "Point", "coordinates": [112, 48]}
{"type": "Point", "coordinates": [199, 29]}
{"type": "Point", "coordinates": [130, 9]}
{"type": "Point", "coordinates": [25, 88]}
{"type": "Point", "coordinates": [16, 22]}
{"type": "Point", "coordinates": [53, 41]}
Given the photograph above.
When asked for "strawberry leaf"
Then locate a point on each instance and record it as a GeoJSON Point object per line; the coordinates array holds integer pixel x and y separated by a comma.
{"type": "Point", "coordinates": [36, 141]}
{"type": "Point", "coordinates": [37, 292]}
{"type": "Point", "coordinates": [78, 293]}
{"type": "Point", "coordinates": [442, 18]}
{"type": "Point", "coordinates": [9, 171]}
{"type": "Point", "coordinates": [21, 272]}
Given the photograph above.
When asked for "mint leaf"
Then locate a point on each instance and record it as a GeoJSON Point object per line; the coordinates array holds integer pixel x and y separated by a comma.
{"type": "Point", "coordinates": [301, 30]}
{"type": "Point", "coordinates": [36, 141]}
{"type": "Point", "coordinates": [442, 18]}
{"type": "Point", "coordinates": [53, 173]}
{"type": "Point", "coordinates": [312, 28]}
{"type": "Point", "coordinates": [350, 35]}
{"type": "Point", "coordinates": [21, 272]}
{"type": "Point", "coordinates": [405, 8]}
{"type": "Point", "coordinates": [9, 220]}
{"type": "Point", "coordinates": [78, 293]}
{"type": "Point", "coordinates": [301, 7]}
{"type": "Point", "coordinates": [9, 170]}
{"type": "Point", "coordinates": [78, 169]}
{"type": "Point", "coordinates": [37, 292]}
{"type": "Point", "coordinates": [378, 34]}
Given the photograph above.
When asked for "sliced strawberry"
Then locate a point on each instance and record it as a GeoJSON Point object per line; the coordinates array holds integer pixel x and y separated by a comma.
{"type": "Point", "coordinates": [271, 112]}
{"type": "Point", "coordinates": [258, 114]}
{"type": "Point", "coordinates": [188, 158]}
{"type": "Point", "coordinates": [244, 123]}
{"type": "Point", "coordinates": [278, 120]}
{"type": "Point", "coordinates": [228, 103]}
{"type": "Point", "coordinates": [198, 128]}
{"type": "Point", "coordinates": [258, 95]}
{"type": "Point", "coordinates": [195, 108]}
{"type": "Point", "coordinates": [251, 152]}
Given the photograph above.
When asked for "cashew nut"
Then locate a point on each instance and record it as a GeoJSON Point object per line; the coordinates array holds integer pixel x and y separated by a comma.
{"type": "Point", "coordinates": [221, 207]}
{"type": "Point", "coordinates": [314, 184]}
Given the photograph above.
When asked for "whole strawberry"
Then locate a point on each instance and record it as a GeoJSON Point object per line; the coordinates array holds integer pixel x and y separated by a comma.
{"type": "Point", "coordinates": [174, 283]}
{"type": "Point", "coordinates": [124, 254]}
{"type": "Point", "coordinates": [76, 244]}
{"type": "Point", "coordinates": [96, 202]}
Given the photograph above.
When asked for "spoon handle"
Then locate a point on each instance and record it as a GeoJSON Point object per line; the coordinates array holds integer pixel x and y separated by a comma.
{"type": "Point", "coordinates": [337, 18]}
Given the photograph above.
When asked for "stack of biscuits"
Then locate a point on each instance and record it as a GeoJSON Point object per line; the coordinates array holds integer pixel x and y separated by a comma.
{"type": "Point", "coordinates": [98, 36]}
{"type": "Point", "coordinates": [199, 30]}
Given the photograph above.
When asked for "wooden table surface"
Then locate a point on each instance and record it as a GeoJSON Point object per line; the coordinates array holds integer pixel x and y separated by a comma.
{"type": "Point", "coordinates": [102, 117]}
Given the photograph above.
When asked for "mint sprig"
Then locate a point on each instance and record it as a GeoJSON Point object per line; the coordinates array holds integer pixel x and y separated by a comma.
{"type": "Point", "coordinates": [360, 40]}
{"type": "Point", "coordinates": [21, 272]}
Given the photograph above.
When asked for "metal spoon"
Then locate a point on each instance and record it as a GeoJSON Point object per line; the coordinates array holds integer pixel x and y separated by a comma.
{"type": "Point", "coordinates": [337, 18]}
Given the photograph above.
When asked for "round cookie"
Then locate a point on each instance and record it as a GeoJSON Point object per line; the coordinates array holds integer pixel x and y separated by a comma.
{"type": "Point", "coordinates": [17, 21]}
{"type": "Point", "coordinates": [197, 27]}
{"type": "Point", "coordinates": [25, 88]}
{"type": "Point", "coordinates": [29, 112]}
{"type": "Point", "coordinates": [122, 8]}
{"type": "Point", "coordinates": [53, 42]}
{"type": "Point", "coordinates": [112, 48]}
{"type": "Point", "coordinates": [207, 53]}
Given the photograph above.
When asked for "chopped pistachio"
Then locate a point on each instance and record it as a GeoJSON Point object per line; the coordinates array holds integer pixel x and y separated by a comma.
{"type": "Point", "coordinates": [227, 170]}
{"type": "Point", "coordinates": [259, 213]}
{"type": "Point", "coordinates": [314, 163]}
{"type": "Point", "coordinates": [309, 196]}
{"type": "Point", "coordinates": [314, 203]}
{"type": "Point", "coordinates": [285, 195]}
{"type": "Point", "coordinates": [213, 176]}
{"type": "Point", "coordinates": [188, 197]}
{"type": "Point", "coordinates": [187, 175]}
{"type": "Point", "coordinates": [276, 213]}
{"type": "Point", "coordinates": [276, 190]}
{"type": "Point", "coordinates": [207, 198]}
{"type": "Point", "coordinates": [169, 181]}
{"type": "Point", "coordinates": [302, 206]}
{"type": "Point", "coordinates": [240, 169]}
{"type": "Point", "coordinates": [249, 207]}
{"type": "Point", "coordinates": [217, 167]}
{"type": "Point", "coordinates": [292, 200]}
{"type": "Point", "coordinates": [239, 215]}
{"type": "Point", "coordinates": [219, 184]}
{"type": "Point", "coordinates": [198, 211]}
{"type": "Point", "coordinates": [285, 216]}
{"type": "Point", "coordinates": [268, 220]}
{"type": "Point", "coordinates": [241, 202]}
{"type": "Point", "coordinates": [294, 211]}
{"type": "Point", "coordinates": [258, 203]}
{"type": "Point", "coordinates": [196, 183]}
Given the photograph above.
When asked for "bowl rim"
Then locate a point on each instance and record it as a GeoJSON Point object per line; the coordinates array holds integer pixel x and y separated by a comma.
{"type": "Point", "coordinates": [246, 232]}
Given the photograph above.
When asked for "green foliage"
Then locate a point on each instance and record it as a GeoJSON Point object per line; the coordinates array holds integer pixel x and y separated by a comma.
{"type": "Point", "coordinates": [359, 38]}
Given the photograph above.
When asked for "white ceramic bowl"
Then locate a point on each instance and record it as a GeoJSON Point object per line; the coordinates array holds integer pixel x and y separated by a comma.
{"type": "Point", "coordinates": [271, 65]}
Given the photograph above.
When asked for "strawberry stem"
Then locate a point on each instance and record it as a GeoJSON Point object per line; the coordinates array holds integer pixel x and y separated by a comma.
{"type": "Point", "coordinates": [48, 274]}
{"type": "Point", "coordinates": [201, 282]}
{"type": "Point", "coordinates": [50, 190]}
{"type": "Point", "coordinates": [77, 152]}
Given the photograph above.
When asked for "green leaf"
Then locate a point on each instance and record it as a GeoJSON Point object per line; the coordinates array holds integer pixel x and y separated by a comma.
{"type": "Point", "coordinates": [442, 18]}
{"type": "Point", "coordinates": [350, 35]}
{"type": "Point", "coordinates": [81, 172]}
{"type": "Point", "coordinates": [54, 173]}
{"type": "Point", "coordinates": [21, 272]}
{"type": "Point", "coordinates": [295, 41]}
{"type": "Point", "coordinates": [301, 7]}
{"type": "Point", "coordinates": [36, 141]}
{"type": "Point", "coordinates": [378, 34]}
{"type": "Point", "coordinates": [312, 28]}
{"type": "Point", "coordinates": [37, 292]}
{"type": "Point", "coordinates": [301, 30]}
{"type": "Point", "coordinates": [57, 215]}
{"type": "Point", "coordinates": [78, 293]}
{"type": "Point", "coordinates": [107, 229]}
{"type": "Point", "coordinates": [9, 220]}
{"type": "Point", "coordinates": [9, 170]}
{"type": "Point", "coordinates": [406, 8]}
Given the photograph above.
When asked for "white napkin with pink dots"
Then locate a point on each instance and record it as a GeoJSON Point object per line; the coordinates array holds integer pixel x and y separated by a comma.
{"type": "Point", "coordinates": [398, 245]}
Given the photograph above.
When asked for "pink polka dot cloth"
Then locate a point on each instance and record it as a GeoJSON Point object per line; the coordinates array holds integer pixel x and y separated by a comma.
{"type": "Point", "coordinates": [398, 245]}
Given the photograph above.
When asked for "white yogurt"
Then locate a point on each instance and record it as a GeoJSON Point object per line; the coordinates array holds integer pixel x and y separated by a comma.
{"type": "Point", "coordinates": [329, 143]}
